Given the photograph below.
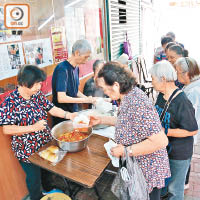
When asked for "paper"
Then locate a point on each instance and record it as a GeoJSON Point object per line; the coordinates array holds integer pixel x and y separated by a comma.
{"type": "Point", "coordinates": [108, 146]}
{"type": "Point", "coordinates": [106, 132]}
{"type": "Point", "coordinates": [38, 52]}
{"type": "Point", "coordinates": [11, 59]}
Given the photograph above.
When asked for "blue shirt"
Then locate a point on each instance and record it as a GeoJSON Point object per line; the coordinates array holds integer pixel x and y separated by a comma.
{"type": "Point", "coordinates": [65, 79]}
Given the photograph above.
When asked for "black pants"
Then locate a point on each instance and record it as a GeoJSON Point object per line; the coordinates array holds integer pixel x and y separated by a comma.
{"type": "Point", "coordinates": [155, 194]}
{"type": "Point", "coordinates": [33, 180]}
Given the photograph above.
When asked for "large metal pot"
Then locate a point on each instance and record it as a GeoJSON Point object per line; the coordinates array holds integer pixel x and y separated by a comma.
{"type": "Point", "coordinates": [64, 127]}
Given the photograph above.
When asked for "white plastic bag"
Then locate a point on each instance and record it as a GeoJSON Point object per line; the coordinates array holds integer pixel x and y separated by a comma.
{"type": "Point", "coordinates": [108, 146]}
{"type": "Point", "coordinates": [81, 121]}
{"type": "Point", "coordinates": [129, 183]}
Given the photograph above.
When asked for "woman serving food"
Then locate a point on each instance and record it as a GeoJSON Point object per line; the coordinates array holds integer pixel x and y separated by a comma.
{"type": "Point", "coordinates": [24, 117]}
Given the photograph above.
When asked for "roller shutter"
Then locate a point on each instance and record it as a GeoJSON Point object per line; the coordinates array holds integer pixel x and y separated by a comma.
{"type": "Point", "coordinates": [123, 15]}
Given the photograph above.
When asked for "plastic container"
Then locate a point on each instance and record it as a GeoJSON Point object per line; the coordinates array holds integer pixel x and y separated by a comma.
{"type": "Point", "coordinates": [81, 121]}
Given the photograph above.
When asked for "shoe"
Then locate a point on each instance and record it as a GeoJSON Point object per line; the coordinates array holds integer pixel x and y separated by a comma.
{"type": "Point", "coordinates": [186, 186]}
{"type": "Point", "coordinates": [52, 191]}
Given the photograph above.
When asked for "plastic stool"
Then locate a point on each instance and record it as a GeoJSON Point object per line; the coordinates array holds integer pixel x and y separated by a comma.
{"type": "Point", "coordinates": [56, 196]}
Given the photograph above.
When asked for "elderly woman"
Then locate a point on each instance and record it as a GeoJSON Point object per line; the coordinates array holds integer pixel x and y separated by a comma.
{"type": "Point", "coordinates": [90, 88]}
{"type": "Point", "coordinates": [189, 74]}
{"type": "Point", "coordinates": [24, 117]}
{"type": "Point", "coordinates": [178, 119]}
{"type": "Point", "coordinates": [173, 53]}
{"type": "Point", "coordinates": [137, 126]}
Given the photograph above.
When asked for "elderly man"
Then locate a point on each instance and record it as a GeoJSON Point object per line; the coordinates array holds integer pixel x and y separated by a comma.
{"type": "Point", "coordinates": [65, 80]}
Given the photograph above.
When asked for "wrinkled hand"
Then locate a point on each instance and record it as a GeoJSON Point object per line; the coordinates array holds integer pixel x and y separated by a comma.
{"type": "Point", "coordinates": [72, 115]}
{"type": "Point", "coordinates": [40, 125]}
{"type": "Point", "coordinates": [94, 120]}
{"type": "Point", "coordinates": [117, 151]}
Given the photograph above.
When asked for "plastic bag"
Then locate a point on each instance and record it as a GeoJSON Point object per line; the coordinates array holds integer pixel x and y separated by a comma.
{"type": "Point", "coordinates": [108, 146]}
{"type": "Point", "coordinates": [127, 48]}
{"type": "Point", "coordinates": [81, 121]}
{"type": "Point", "coordinates": [53, 154]}
{"type": "Point", "coordinates": [129, 183]}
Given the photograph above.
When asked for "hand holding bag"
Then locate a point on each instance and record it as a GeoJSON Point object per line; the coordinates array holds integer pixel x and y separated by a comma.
{"type": "Point", "coordinates": [129, 183]}
{"type": "Point", "coordinates": [127, 47]}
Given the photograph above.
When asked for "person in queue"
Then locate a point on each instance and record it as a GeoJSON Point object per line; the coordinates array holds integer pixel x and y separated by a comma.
{"type": "Point", "coordinates": [65, 80]}
{"type": "Point", "coordinates": [189, 74]}
{"type": "Point", "coordinates": [160, 51]}
{"type": "Point", "coordinates": [169, 45]}
{"type": "Point", "coordinates": [171, 35]}
{"type": "Point", "coordinates": [24, 117]}
{"type": "Point", "coordinates": [173, 53]}
{"type": "Point", "coordinates": [137, 125]}
{"type": "Point", "coordinates": [90, 88]}
{"type": "Point", "coordinates": [178, 120]}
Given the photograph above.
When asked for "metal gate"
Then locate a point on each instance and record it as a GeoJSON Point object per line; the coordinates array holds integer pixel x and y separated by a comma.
{"type": "Point", "coordinates": [123, 16]}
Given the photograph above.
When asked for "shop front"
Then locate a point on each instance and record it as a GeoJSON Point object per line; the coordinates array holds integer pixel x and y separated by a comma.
{"type": "Point", "coordinates": [46, 40]}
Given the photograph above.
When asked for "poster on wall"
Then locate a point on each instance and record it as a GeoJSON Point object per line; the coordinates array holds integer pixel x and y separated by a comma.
{"type": "Point", "coordinates": [5, 34]}
{"type": "Point", "coordinates": [74, 20]}
{"type": "Point", "coordinates": [59, 44]}
{"type": "Point", "coordinates": [38, 52]}
{"type": "Point", "coordinates": [11, 59]}
{"type": "Point", "coordinates": [92, 30]}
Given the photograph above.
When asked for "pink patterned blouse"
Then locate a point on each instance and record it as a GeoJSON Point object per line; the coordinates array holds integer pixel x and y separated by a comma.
{"type": "Point", "coordinates": [137, 120]}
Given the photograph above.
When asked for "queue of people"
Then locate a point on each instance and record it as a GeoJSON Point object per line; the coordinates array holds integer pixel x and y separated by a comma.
{"type": "Point", "coordinates": [159, 136]}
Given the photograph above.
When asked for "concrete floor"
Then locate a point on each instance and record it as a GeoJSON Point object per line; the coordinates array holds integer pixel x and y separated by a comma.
{"type": "Point", "coordinates": [193, 193]}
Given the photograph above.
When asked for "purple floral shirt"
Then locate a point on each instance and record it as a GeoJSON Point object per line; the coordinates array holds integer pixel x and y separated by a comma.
{"type": "Point", "coordinates": [137, 120]}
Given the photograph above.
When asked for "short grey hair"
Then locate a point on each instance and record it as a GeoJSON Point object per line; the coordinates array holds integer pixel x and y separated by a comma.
{"type": "Point", "coordinates": [163, 69]}
{"type": "Point", "coordinates": [190, 66]}
{"type": "Point", "coordinates": [182, 63]}
{"type": "Point", "coordinates": [83, 46]}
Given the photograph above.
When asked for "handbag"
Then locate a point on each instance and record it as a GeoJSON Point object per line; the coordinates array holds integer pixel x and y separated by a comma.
{"type": "Point", "coordinates": [129, 183]}
{"type": "Point", "coordinates": [127, 47]}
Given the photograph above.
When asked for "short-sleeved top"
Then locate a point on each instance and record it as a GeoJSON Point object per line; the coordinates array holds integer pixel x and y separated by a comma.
{"type": "Point", "coordinates": [192, 92]}
{"type": "Point", "coordinates": [179, 115]}
{"type": "Point", "coordinates": [160, 54]}
{"type": "Point", "coordinates": [15, 110]}
{"type": "Point", "coordinates": [65, 79]}
{"type": "Point", "coordinates": [137, 119]}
